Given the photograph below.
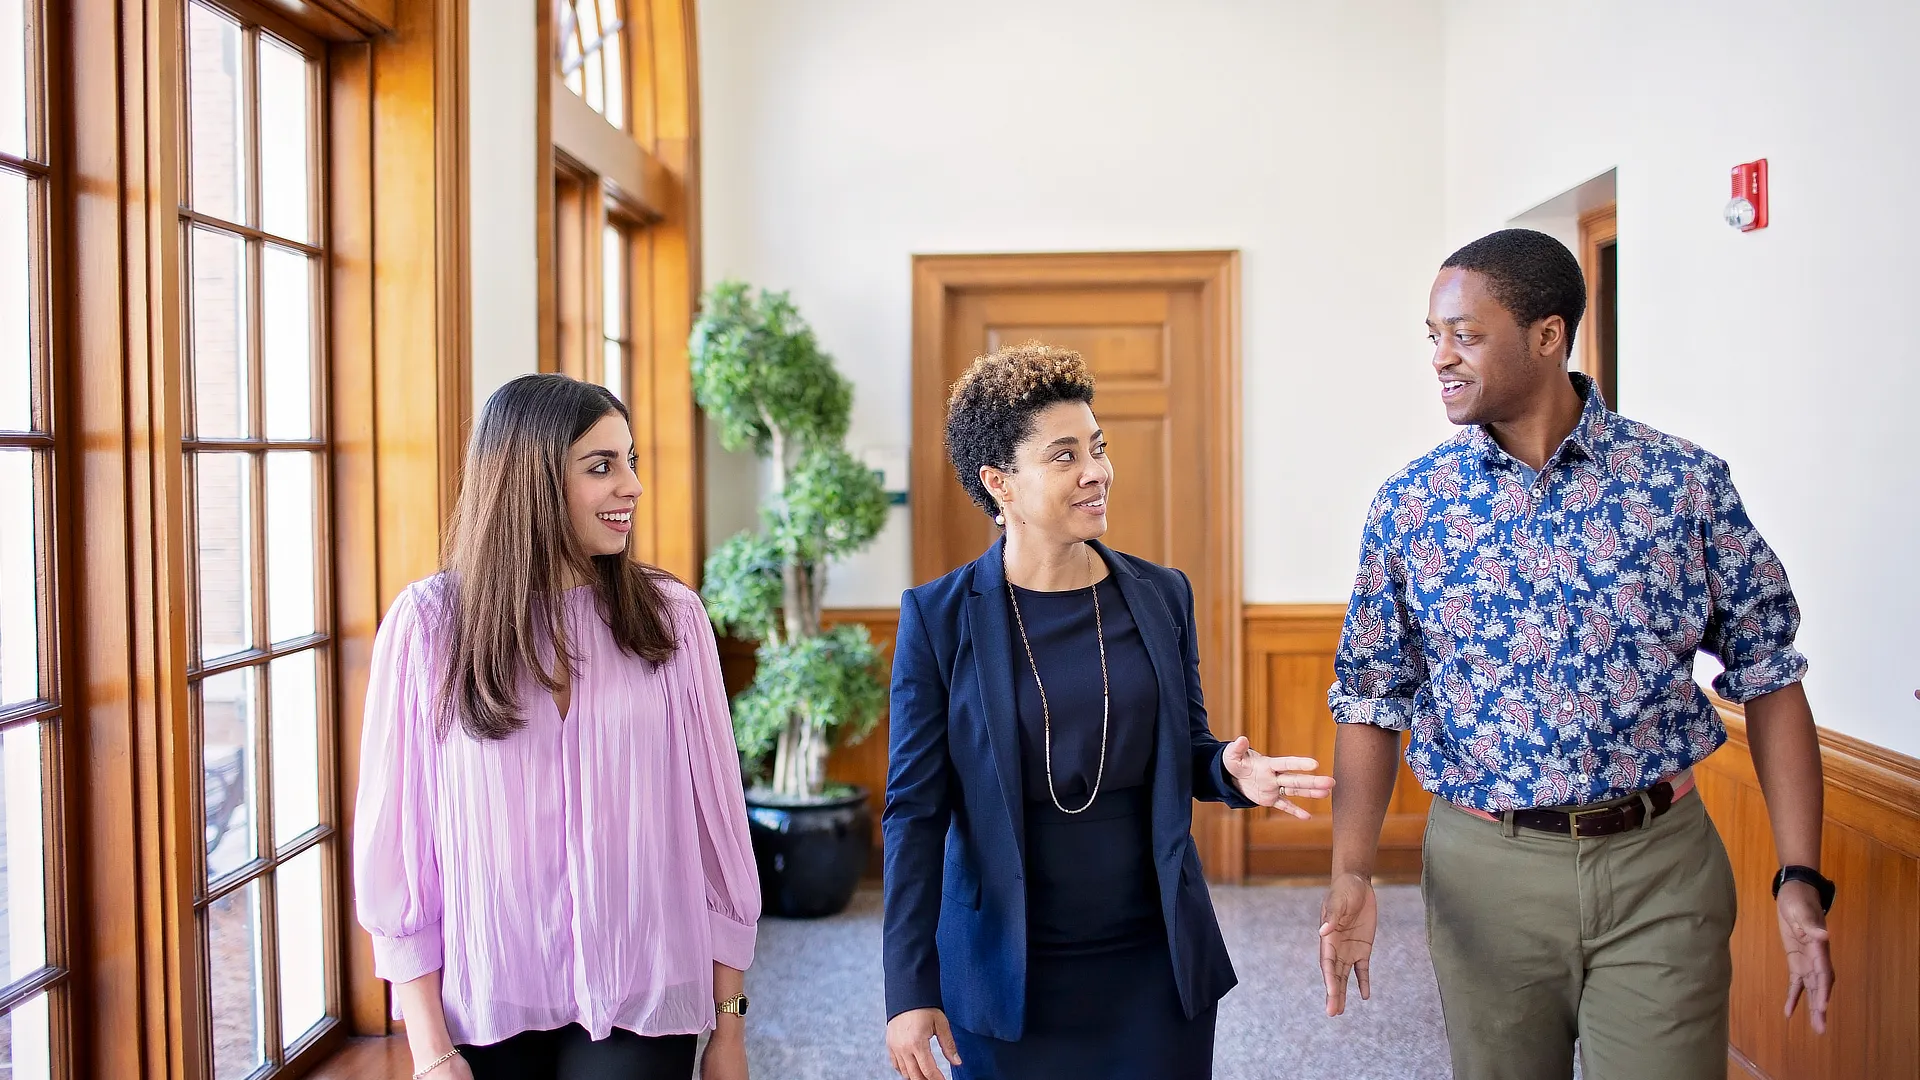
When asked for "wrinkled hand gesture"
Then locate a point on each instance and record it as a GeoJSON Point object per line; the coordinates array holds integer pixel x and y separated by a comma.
{"type": "Point", "coordinates": [1271, 781]}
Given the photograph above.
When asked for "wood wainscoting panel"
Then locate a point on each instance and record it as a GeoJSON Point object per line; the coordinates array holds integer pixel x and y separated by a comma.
{"type": "Point", "coordinates": [1870, 847]}
{"type": "Point", "coordinates": [1289, 666]}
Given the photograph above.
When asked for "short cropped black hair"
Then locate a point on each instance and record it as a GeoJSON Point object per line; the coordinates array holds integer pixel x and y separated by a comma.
{"type": "Point", "coordinates": [991, 408]}
{"type": "Point", "coordinates": [1531, 274]}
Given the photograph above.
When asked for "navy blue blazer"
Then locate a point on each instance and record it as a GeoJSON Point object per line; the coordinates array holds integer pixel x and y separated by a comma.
{"type": "Point", "coordinates": [954, 826]}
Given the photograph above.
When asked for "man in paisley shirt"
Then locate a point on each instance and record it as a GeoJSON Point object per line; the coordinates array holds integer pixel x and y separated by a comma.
{"type": "Point", "coordinates": [1530, 599]}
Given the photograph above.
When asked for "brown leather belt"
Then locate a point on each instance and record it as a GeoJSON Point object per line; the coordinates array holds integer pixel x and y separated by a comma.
{"type": "Point", "coordinates": [1616, 817]}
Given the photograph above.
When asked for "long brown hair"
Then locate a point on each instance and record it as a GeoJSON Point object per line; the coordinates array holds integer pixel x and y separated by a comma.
{"type": "Point", "coordinates": [511, 553]}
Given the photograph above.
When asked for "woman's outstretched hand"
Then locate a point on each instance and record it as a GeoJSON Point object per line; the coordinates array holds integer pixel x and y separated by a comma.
{"type": "Point", "coordinates": [1273, 781]}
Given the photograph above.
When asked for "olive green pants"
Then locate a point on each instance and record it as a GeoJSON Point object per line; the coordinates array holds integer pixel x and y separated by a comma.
{"type": "Point", "coordinates": [1620, 942]}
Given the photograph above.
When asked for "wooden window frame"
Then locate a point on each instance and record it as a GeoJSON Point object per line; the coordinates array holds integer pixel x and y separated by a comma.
{"type": "Point", "coordinates": [394, 83]}
{"type": "Point", "coordinates": [45, 167]}
{"type": "Point", "coordinates": [645, 177]}
{"type": "Point", "coordinates": [260, 875]}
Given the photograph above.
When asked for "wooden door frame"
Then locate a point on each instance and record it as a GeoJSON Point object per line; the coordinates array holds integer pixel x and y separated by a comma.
{"type": "Point", "coordinates": [938, 279]}
{"type": "Point", "coordinates": [1599, 228]}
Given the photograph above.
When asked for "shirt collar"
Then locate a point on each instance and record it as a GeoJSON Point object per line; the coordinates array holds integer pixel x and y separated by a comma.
{"type": "Point", "coordinates": [1586, 438]}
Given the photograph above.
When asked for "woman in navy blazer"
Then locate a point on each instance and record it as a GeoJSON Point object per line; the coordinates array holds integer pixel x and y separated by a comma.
{"type": "Point", "coordinates": [1046, 915]}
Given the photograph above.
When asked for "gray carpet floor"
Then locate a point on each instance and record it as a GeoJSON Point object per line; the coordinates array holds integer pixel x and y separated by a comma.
{"type": "Point", "coordinates": [819, 1013]}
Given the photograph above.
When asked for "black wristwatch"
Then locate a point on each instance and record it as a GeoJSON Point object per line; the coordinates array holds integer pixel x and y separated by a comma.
{"type": "Point", "coordinates": [1809, 875]}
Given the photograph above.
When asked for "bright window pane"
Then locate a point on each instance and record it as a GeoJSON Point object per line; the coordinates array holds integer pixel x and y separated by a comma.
{"type": "Point", "coordinates": [233, 976]}
{"type": "Point", "coordinates": [216, 114]}
{"type": "Point", "coordinates": [22, 858]}
{"type": "Point", "coordinates": [303, 938]}
{"type": "Point", "coordinates": [25, 1049]}
{"type": "Point", "coordinates": [220, 393]}
{"type": "Point", "coordinates": [19, 589]}
{"type": "Point", "coordinates": [14, 66]}
{"type": "Point", "coordinates": [296, 746]}
{"type": "Point", "coordinates": [16, 302]}
{"type": "Point", "coordinates": [286, 288]}
{"type": "Point", "coordinates": [613, 279]}
{"type": "Point", "coordinates": [568, 31]}
{"type": "Point", "coordinates": [596, 89]}
{"type": "Point", "coordinates": [290, 545]}
{"type": "Point", "coordinates": [616, 84]}
{"type": "Point", "coordinates": [615, 373]}
{"type": "Point", "coordinates": [227, 726]}
{"type": "Point", "coordinates": [223, 499]}
{"type": "Point", "coordinates": [284, 111]}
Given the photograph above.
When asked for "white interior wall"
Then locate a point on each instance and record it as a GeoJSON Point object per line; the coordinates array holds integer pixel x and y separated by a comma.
{"type": "Point", "coordinates": [503, 297]}
{"type": "Point", "coordinates": [1783, 350]}
{"type": "Point", "coordinates": [841, 137]}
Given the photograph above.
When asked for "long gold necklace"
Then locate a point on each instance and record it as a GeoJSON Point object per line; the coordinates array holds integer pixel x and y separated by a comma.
{"type": "Point", "coordinates": [1046, 715]}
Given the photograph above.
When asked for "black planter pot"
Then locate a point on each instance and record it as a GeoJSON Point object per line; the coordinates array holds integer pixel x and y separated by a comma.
{"type": "Point", "coordinates": [811, 854]}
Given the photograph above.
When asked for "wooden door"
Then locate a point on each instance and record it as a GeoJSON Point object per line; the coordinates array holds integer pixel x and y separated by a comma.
{"type": "Point", "coordinates": [1158, 333]}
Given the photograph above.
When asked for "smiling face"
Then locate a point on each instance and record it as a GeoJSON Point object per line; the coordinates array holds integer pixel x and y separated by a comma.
{"type": "Point", "coordinates": [1491, 368]}
{"type": "Point", "coordinates": [601, 486]}
{"type": "Point", "coordinates": [1060, 478]}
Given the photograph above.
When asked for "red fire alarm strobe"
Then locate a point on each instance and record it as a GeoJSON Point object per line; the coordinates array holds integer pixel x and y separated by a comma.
{"type": "Point", "coordinates": [1747, 209]}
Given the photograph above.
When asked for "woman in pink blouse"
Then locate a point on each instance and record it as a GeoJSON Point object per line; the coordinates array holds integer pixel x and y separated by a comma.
{"type": "Point", "coordinates": [550, 847]}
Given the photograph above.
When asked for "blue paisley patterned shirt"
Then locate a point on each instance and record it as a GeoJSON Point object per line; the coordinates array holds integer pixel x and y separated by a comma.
{"type": "Point", "coordinates": [1537, 637]}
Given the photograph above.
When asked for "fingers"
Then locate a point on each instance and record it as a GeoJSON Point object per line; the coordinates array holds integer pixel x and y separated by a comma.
{"type": "Point", "coordinates": [919, 1065]}
{"type": "Point", "coordinates": [1819, 981]}
{"type": "Point", "coordinates": [944, 1031]}
{"type": "Point", "coordinates": [1294, 765]}
{"type": "Point", "coordinates": [1305, 784]}
{"type": "Point", "coordinates": [1360, 971]}
{"type": "Point", "coordinates": [1332, 973]}
{"type": "Point", "coordinates": [913, 1062]}
{"type": "Point", "coordinates": [1286, 807]}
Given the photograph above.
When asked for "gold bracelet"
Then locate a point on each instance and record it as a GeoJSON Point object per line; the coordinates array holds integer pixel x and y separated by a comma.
{"type": "Point", "coordinates": [437, 1062]}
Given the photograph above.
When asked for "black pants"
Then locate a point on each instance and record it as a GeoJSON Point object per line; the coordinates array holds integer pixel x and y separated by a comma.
{"type": "Point", "coordinates": [568, 1053]}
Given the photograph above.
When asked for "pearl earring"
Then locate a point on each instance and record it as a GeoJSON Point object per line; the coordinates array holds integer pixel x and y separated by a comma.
{"type": "Point", "coordinates": [1000, 520]}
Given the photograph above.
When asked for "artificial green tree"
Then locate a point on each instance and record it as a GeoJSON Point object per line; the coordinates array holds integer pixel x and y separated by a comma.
{"type": "Point", "coordinates": [765, 383]}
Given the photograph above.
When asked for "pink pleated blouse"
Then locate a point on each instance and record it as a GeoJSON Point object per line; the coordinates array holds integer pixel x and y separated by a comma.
{"type": "Point", "coordinates": [587, 869]}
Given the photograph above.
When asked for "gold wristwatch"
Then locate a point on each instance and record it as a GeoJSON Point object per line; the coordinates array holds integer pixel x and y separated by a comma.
{"type": "Point", "coordinates": [737, 1005]}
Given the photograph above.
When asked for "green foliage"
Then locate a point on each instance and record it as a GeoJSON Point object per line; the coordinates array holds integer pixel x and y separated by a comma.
{"type": "Point", "coordinates": [830, 682]}
{"type": "Point", "coordinates": [832, 505]}
{"type": "Point", "coordinates": [742, 586]}
{"type": "Point", "coordinates": [757, 368]}
{"type": "Point", "coordinates": [765, 383]}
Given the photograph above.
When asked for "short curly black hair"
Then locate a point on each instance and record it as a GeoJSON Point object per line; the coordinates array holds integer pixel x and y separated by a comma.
{"type": "Point", "coordinates": [991, 408]}
{"type": "Point", "coordinates": [1531, 274]}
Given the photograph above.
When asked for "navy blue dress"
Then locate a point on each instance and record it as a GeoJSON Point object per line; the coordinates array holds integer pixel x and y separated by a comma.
{"type": "Point", "coordinates": [1101, 997]}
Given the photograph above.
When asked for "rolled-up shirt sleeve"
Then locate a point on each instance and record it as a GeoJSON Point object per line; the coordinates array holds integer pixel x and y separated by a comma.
{"type": "Point", "coordinates": [1753, 617]}
{"type": "Point", "coordinates": [726, 850]}
{"type": "Point", "coordinates": [396, 872]}
{"type": "Point", "coordinates": [1379, 666]}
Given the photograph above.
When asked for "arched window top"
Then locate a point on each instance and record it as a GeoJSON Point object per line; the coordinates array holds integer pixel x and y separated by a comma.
{"type": "Point", "coordinates": [592, 55]}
